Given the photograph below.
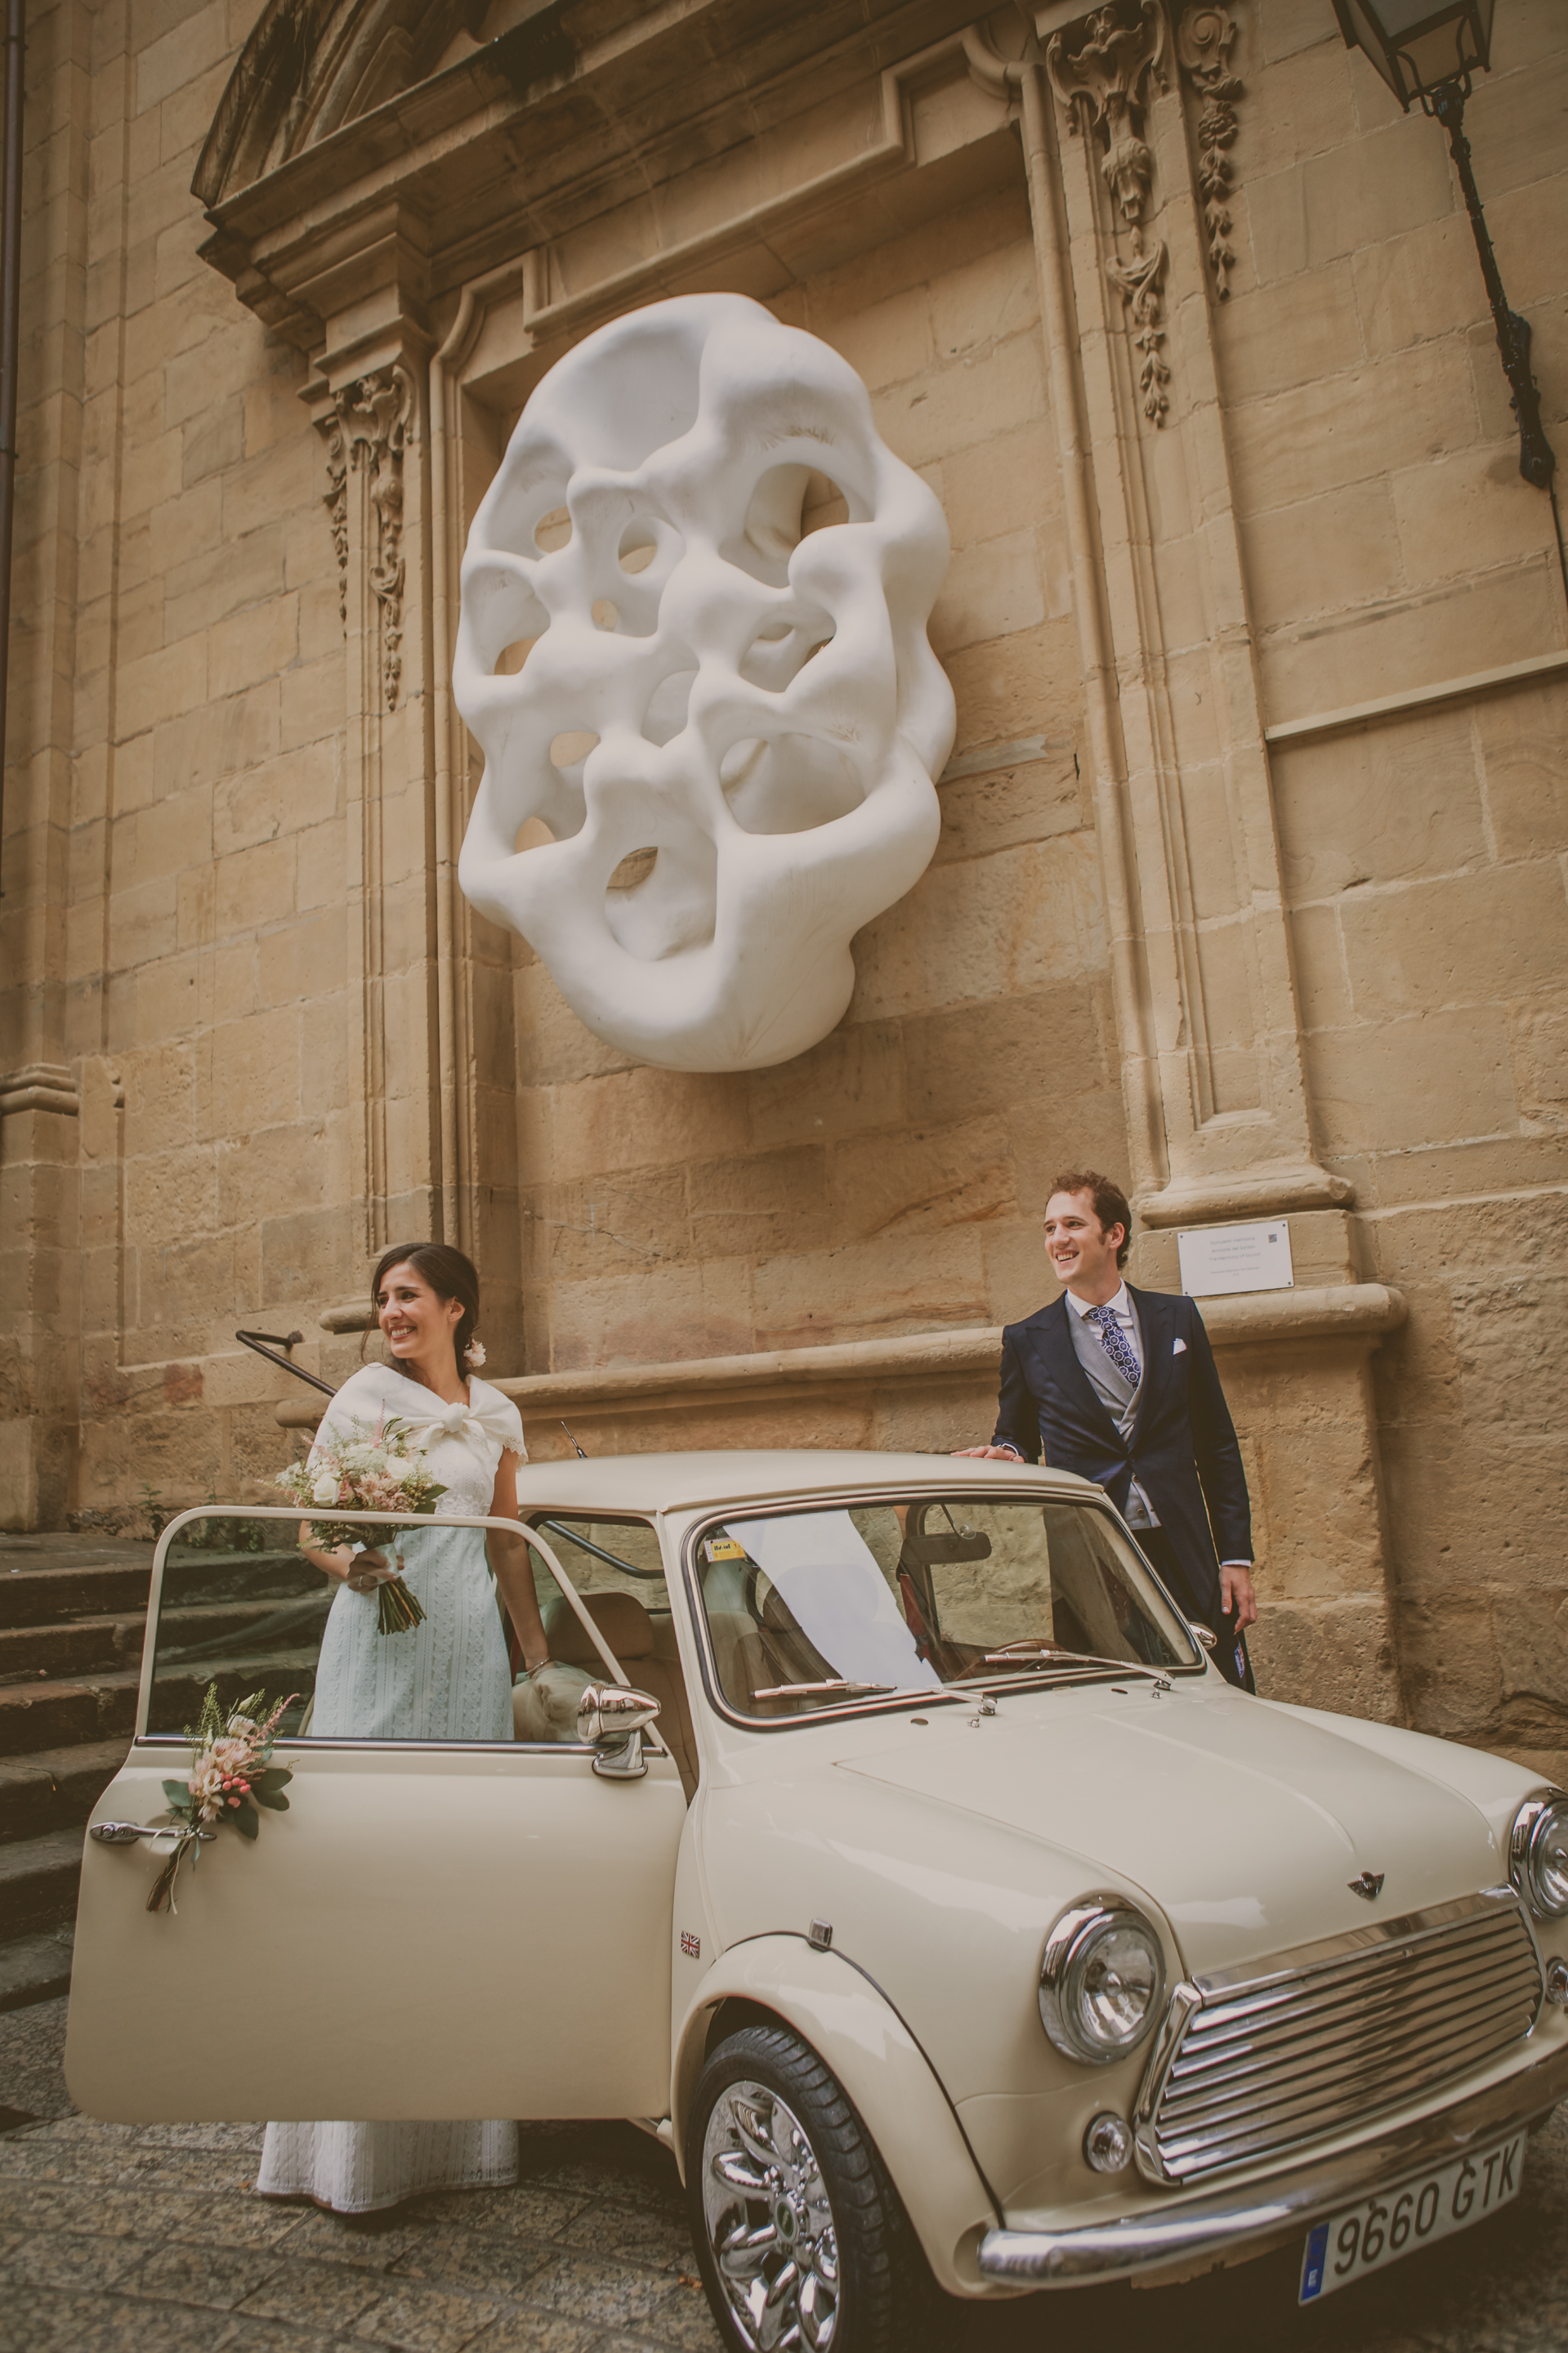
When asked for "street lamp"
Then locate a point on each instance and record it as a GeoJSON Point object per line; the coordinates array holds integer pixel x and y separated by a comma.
{"type": "Point", "coordinates": [1430, 53]}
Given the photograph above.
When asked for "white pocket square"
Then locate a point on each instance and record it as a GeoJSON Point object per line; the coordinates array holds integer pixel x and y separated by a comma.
{"type": "Point", "coordinates": [1178, 1347]}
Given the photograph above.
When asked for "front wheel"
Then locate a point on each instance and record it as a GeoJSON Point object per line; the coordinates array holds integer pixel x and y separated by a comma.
{"type": "Point", "coordinates": [800, 2235]}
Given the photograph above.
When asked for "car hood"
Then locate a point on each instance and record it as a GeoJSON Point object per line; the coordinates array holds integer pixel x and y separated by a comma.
{"type": "Point", "coordinates": [1243, 1823]}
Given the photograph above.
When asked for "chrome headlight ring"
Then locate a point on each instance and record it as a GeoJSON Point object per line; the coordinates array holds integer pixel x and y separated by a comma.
{"type": "Point", "coordinates": [1102, 1980]}
{"type": "Point", "coordinates": [1538, 1854]}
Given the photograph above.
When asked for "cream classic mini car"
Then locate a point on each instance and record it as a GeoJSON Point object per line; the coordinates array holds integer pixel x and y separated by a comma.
{"type": "Point", "coordinates": [937, 1903]}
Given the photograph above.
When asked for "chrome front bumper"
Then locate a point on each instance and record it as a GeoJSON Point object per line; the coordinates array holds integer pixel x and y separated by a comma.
{"type": "Point", "coordinates": [1255, 2214]}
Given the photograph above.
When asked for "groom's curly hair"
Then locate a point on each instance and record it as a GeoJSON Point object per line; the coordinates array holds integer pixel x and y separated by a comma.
{"type": "Point", "coordinates": [1110, 1203]}
{"type": "Point", "coordinates": [450, 1274]}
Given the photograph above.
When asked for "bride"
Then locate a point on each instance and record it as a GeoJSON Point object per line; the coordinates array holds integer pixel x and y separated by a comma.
{"type": "Point", "coordinates": [449, 1679]}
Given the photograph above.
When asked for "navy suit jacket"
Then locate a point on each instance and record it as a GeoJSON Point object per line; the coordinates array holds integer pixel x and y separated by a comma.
{"type": "Point", "coordinates": [1183, 1444]}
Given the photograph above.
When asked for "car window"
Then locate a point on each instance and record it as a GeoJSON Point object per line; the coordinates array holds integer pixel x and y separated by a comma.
{"type": "Point", "coordinates": [243, 1606]}
{"type": "Point", "coordinates": [239, 1606]}
{"type": "Point", "coordinates": [617, 1568]}
{"type": "Point", "coordinates": [818, 1608]}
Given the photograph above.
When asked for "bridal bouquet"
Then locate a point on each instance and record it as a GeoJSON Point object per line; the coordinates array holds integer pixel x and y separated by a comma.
{"type": "Point", "coordinates": [231, 1773]}
{"type": "Point", "coordinates": [380, 1473]}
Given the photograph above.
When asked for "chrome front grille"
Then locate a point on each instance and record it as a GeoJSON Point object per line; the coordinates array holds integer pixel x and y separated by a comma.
{"type": "Point", "coordinates": [1252, 2064]}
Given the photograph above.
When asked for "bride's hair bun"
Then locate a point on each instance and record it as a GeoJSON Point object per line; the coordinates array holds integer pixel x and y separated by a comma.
{"type": "Point", "coordinates": [474, 1354]}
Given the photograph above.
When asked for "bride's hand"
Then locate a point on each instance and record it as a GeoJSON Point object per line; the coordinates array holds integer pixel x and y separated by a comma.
{"type": "Point", "coordinates": [366, 1570]}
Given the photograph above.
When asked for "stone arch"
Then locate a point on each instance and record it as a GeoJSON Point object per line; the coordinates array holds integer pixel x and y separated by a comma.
{"type": "Point", "coordinates": [311, 65]}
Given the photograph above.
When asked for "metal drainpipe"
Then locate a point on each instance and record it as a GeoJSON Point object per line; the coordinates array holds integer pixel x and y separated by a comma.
{"type": "Point", "coordinates": [10, 310]}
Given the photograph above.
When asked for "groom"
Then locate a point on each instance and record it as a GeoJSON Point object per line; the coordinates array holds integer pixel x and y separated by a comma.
{"type": "Point", "coordinates": [1121, 1387]}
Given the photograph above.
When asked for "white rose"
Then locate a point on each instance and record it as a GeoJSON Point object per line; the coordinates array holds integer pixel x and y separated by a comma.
{"type": "Point", "coordinates": [325, 1490]}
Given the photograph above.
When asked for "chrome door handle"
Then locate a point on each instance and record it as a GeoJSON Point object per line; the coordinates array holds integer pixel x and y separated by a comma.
{"type": "Point", "coordinates": [122, 1833]}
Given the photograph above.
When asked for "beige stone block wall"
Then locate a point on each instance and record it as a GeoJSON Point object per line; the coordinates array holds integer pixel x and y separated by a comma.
{"type": "Point", "coordinates": [1423, 856]}
{"type": "Point", "coordinates": [1389, 540]}
{"type": "Point", "coordinates": [891, 1180]}
{"type": "Point", "coordinates": [205, 834]}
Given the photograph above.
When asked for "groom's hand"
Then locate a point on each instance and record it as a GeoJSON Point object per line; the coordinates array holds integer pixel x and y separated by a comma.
{"type": "Point", "coordinates": [987, 1454]}
{"type": "Point", "coordinates": [1235, 1593]}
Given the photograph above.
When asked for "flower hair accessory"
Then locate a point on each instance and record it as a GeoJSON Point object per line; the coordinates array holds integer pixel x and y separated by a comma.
{"type": "Point", "coordinates": [474, 1354]}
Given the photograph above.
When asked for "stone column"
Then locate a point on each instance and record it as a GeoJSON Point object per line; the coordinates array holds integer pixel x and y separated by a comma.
{"type": "Point", "coordinates": [366, 399]}
{"type": "Point", "coordinates": [39, 1098]}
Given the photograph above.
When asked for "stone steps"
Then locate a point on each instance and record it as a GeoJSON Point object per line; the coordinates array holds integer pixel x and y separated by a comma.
{"type": "Point", "coordinates": [79, 1647]}
{"type": "Point", "coordinates": [38, 1589]}
{"type": "Point", "coordinates": [69, 1647]}
{"type": "Point", "coordinates": [59, 1714]}
{"type": "Point", "coordinates": [72, 1614]}
{"type": "Point", "coordinates": [35, 1967]}
{"type": "Point", "coordinates": [38, 1879]}
{"type": "Point", "coordinates": [53, 1788]}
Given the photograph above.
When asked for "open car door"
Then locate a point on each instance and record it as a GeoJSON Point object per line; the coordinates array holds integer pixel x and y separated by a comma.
{"type": "Point", "coordinates": [443, 1929]}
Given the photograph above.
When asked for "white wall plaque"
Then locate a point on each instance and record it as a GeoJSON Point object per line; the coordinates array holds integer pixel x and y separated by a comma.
{"type": "Point", "coordinates": [1220, 1258]}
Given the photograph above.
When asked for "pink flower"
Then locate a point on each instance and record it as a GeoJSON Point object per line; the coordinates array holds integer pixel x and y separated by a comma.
{"type": "Point", "coordinates": [206, 1787]}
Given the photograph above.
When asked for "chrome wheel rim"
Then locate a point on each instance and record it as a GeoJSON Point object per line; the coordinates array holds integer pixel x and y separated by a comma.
{"type": "Point", "coordinates": [769, 2223]}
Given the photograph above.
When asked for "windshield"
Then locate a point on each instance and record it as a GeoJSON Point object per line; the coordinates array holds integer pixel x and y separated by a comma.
{"type": "Point", "coordinates": [813, 1609]}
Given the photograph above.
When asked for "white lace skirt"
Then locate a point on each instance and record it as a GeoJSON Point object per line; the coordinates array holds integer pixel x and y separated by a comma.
{"type": "Point", "coordinates": [447, 1680]}
{"type": "Point", "coordinates": [359, 2168]}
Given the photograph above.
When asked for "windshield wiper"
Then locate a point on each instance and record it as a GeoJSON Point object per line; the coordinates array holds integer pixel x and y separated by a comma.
{"type": "Point", "coordinates": [1051, 1657]}
{"type": "Point", "coordinates": [812, 1691]}
{"type": "Point", "coordinates": [839, 1687]}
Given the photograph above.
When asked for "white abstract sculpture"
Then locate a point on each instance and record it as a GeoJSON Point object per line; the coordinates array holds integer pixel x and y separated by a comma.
{"type": "Point", "coordinates": [725, 731]}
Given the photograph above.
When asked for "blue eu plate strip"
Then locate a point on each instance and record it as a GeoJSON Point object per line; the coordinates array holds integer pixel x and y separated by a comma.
{"type": "Point", "coordinates": [1312, 2268]}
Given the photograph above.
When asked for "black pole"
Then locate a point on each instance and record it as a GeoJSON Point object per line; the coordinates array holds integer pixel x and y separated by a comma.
{"type": "Point", "coordinates": [10, 311]}
{"type": "Point", "coordinates": [1537, 460]}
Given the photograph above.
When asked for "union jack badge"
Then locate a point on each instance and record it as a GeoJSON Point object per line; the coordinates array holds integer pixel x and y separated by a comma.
{"type": "Point", "coordinates": [690, 1945]}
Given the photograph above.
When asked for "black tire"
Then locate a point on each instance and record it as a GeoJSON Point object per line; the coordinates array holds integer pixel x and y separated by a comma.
{"type": "Point", "coordinates": [817, 2238]}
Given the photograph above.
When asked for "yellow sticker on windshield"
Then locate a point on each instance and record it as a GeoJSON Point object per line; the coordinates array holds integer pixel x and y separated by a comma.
{"type": "Point", "coordinates": [724, 1548]}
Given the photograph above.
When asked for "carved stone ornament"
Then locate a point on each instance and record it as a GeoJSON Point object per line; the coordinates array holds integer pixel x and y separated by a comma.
{"type": "Point", "coordinates": [369, 427]}
{"type": "Point", "coordinates": [1205, 38]}
{"type": "Point", "coordinates": [1103, 83]}
{"type": "Point", "coordinates": [336, 499]}
{"type": "Point", "coordinates": [692, 646]}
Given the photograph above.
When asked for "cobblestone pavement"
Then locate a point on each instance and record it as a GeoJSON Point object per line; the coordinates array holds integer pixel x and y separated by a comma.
{"type": "Point", "coordinates": [125, 2239]}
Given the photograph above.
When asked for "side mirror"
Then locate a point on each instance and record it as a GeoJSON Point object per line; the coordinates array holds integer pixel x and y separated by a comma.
{"type": "Point", "coordinates": [1195, 1628]}
{"type": "Point", "coordinates": [612, 1719]}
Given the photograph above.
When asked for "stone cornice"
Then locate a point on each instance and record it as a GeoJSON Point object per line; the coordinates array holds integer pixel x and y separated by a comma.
{"type": "Point", "coordinates": [481, 163]}
{"type": "Point", "coordinates": [1350, 1310]}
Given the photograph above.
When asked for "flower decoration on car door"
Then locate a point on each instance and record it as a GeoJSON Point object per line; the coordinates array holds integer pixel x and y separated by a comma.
{"type": "Point", "coordinates": [231, 1775]}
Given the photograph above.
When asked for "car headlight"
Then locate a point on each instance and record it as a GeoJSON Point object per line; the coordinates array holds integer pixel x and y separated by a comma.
{"type": "Point", "coordinates": [1102, 1978]}
{"type": "Point", "coordinates": [1538, 1855]}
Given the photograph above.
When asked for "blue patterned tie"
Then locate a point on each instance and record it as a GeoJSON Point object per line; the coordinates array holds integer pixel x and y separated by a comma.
{"type": "Point", "coordinates": [1116, 1343]}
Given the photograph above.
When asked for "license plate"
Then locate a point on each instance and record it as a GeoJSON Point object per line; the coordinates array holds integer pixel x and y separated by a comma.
{"type": "Point", "coordinates": [1393, 2222]}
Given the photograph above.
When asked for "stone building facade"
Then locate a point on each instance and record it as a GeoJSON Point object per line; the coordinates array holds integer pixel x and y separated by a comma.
{"type": "Point", "coordinates": [1251, 878]}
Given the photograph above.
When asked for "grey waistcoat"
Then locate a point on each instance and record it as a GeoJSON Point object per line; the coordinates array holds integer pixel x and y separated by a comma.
{"type": "Point", "coordinates": [1116, 1394]}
